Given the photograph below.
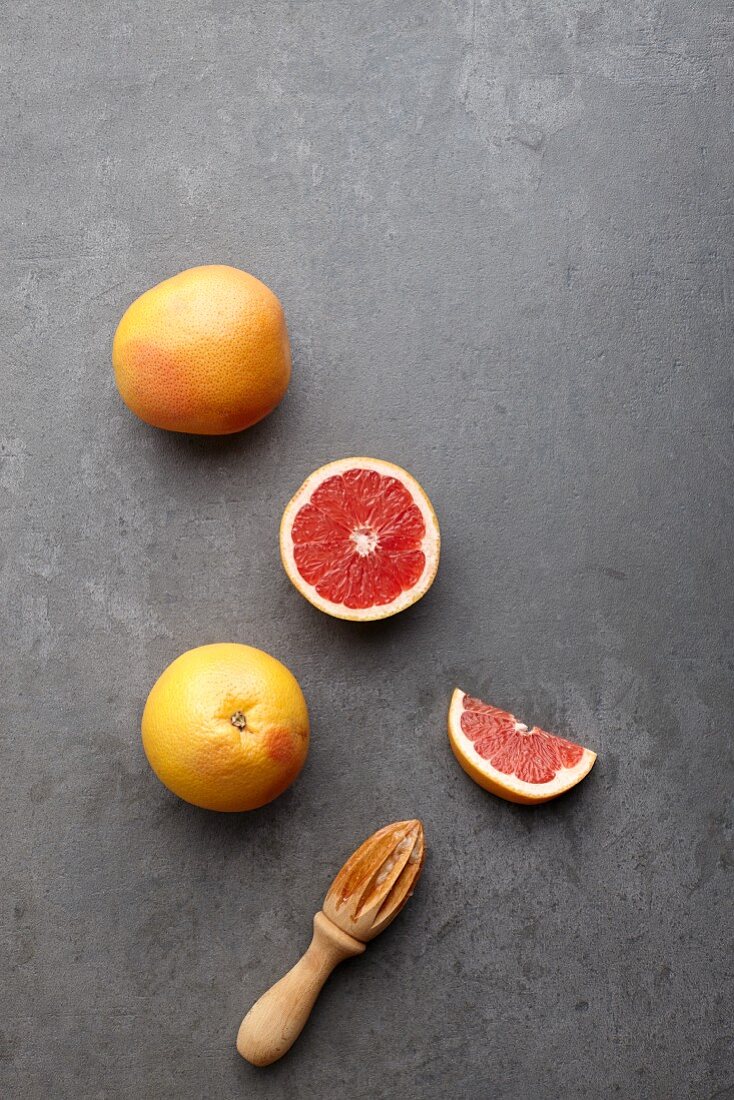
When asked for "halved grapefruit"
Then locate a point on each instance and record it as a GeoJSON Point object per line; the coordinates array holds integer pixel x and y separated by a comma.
{"type": "Point", "coordinates": [505, 757]}
{"type": "Point", "coordinates": [360, 539]}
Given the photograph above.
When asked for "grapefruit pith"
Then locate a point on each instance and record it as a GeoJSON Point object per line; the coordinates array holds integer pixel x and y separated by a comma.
{"type": "Point", "coordinates": [502, 755]}
{"type": "Point", "coordinates": [360, 539]}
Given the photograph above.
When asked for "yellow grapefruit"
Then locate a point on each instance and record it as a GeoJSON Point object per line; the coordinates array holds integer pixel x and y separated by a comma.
{"type": "Point", "coordinates": [226, 727]}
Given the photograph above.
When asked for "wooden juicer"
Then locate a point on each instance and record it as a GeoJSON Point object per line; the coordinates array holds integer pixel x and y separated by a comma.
{"type": "Point", "coordinates": [367, 894]}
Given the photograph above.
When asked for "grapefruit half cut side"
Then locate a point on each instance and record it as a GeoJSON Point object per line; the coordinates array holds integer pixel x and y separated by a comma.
{"type": "Point", "coordinates": [360, 539]}
{"type": "Point", "coordinates": [502, 755]}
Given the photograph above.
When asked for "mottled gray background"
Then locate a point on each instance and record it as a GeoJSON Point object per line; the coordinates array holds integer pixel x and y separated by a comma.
{"type": "Point", "coordinates": [502, 234]}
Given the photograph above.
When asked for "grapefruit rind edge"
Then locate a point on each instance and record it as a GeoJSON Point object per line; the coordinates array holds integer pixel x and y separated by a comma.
{"type": "Point", "coordinates": [431, 545]}
{"type": "Point", "coordinates": [498, 783]}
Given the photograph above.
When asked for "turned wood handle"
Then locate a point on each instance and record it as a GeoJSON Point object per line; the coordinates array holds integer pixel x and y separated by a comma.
{"type": "Point", "coordinates": [273, 1024]}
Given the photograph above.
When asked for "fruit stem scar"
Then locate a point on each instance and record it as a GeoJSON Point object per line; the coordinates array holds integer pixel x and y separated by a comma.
{"type": "Point", "coordinates": [238, 719]}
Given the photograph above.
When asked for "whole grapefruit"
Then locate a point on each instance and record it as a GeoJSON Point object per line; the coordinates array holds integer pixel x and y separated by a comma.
{"type": "Point", "coordinates": [225, 727]}
{"type": "Point", "coordinates": [204, 352]}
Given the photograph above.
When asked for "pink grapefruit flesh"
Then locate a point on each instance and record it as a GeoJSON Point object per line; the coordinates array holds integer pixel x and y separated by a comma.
{"type": "Point", "coordinates": [360, 539]}
{"type": "Point", "coordinates": [507, 758]}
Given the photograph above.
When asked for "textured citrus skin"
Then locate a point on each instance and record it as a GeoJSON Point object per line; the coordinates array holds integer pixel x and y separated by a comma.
{"type": "Point", "coordinates": [195, 749]}
{"type": "Point", "coordinates": [204, 352]}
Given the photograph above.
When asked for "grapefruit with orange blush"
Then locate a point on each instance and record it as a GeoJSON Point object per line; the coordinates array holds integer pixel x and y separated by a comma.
{"type": "Point", "coordinates": [204, 352]}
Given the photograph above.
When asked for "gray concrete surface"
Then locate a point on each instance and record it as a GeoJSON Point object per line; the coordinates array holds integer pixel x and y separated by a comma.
{"type": "Point", "coordinates": [502, 235]}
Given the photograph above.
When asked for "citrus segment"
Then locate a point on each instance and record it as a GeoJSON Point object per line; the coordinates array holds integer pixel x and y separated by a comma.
{"type": "Point", "coordinates": [360, 539]}
{"type": "Point", "coordinates": [507, 758]}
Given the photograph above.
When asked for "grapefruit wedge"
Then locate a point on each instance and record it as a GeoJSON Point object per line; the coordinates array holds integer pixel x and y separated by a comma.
{"type": "Point", "coordinates": [505, 757]}
{"type": "Point", "coordinates": [360, 539]}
